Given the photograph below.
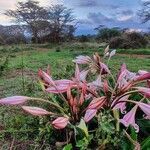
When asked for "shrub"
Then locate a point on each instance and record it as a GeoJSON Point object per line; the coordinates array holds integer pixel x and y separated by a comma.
{"type": "Point", "coordinates": [138, 39]}
{"type": "Point", "coordinates": [106, 34]}
{"type": "Point", "coordinates": [57, 49]}
{"type": "Point", "coordinates": [83, 38]}
{"type": "Point", "coordinates": [129, 40]}
{"type": "Point", "coordinates": [116, 42]}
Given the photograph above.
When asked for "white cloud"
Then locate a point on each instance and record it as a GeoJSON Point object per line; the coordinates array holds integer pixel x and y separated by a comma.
{"type": "Point", "coordinates": [50, 2]}
{"type": "Point", "coordinates": [144, 0]}
{"type": "Point", "coordinates": [4, 20]}
{"type": "Point", "coordinates": [133, 30]}
{"type": "Point", "coordinates": [124, 18]}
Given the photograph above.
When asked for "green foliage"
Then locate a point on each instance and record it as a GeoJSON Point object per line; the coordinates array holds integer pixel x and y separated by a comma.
{"type": "Point", "coordinates": [68, 147]}
{"type": "Point", "coordinates": [129, 40]}
{"type": "Point", "coordinates": [83, 144]}
{"type": "Point", "coordinates": [145, 145]}
{"type": "Point", "coordinates": [4, 65]}
{"type": "Point", "coordinates": [107, 34]}
{"type": "Point", "coordinates": [135, 51]}
{"type": "Point", "coordinates": [83, 38]}
{"type": "Point", "coordinates": [106, 132]}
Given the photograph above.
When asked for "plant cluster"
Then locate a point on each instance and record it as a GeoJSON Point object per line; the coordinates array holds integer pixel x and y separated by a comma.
{"type": "Point", "coordinates": [94, 108]}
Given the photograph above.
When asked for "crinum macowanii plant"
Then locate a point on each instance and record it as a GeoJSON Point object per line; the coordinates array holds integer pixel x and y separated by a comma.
{"type": "Point", "coordinates": [89, 92]}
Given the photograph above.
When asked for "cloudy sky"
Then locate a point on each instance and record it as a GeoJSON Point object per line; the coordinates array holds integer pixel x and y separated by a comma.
{"type": "Point", "coordinates": [92, 13]}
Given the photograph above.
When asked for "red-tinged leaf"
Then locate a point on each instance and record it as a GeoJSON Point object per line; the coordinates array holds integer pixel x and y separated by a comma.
{"type": "Point", "coordinates": [45, 77]}
{"type": "Point", "coordinates": [82, 59]}
{"type": "Point", "coordinates": [121, 75]}
{"type": "Point", "coordinates": [81, 100]}
{"type": "Point", "coordinates": [141, 72]}
{"type": "Point", "coordinates": [142, 77]}
{"type": "Point", "coordinates": [57, 89]}
{"type": "Point", "coordinates": [77, 72]}
{"type": "Point", "coordinates": [104, 69]}
{"type": "Point", "coordinates": [14, 100]}
{"type": "Point", "coordinates": [97, 103]}
{"type": "Point", "coordinates": [144, 91]}
{"type": "Point", "coordinates": [123, 68]}
{"type": "Point", "coordinates": [83, 75]}
{"type": "Point", "coordinates": [69, 96]}
{"type": "Point", "coordinates": [90, 113]}
{"type": "Point", "coordinates": [71, 101]}
{"type": "Point", "coordinates": [96, 83]}
{"type": "Point", "coordinates": [60, 86]}
{"type": "Point", "coordinates": [105, 87]}
{"type": "Point", "coordinates": [121, 105]}
{"type": "Point", "coordinates": [63, 82]}
{"type": "Point", "coordinates": [60, 122]}
{"type": "Point", "coordinates": [145, 108]}
{"type": "Point", "coordinates": [129, 118]}
{"type": "Point", "coordinates": [36, 111]}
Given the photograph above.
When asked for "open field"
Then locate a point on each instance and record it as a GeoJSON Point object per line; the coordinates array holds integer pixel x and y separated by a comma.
{"type": "Point", "coordinates": [24, 62]}
{"type": "Point", "coordinates": [19, 77]}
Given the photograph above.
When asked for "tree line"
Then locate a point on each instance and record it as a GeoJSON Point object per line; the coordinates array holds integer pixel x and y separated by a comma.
{"type": "Point", "coordinates": [55, 24]}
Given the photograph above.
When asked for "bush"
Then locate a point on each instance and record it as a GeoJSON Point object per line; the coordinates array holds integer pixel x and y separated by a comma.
{"type": "Point", "coordinates": [116, 42]}
{"type": "Point", "coordinates": [83, 38]}
{"type": "Point", "coordinates": [137, 40]}
{"type": "Point", "coordinates": [106, 34]}
{"type": "Point", "coordinates": [129, 40]}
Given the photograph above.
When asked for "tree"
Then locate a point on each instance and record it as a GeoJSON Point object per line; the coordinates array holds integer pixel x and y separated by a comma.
{"type": "Point", "coordinates": [129, 40]}
{"type": "Point", "coordinates": [12, 34]}
{"type": "Point", "coordinates": [29, 13]}
{"type": "Point", "coordinates": [144, 13]}
{"type": "Point", "coordinates": [106, 34]}
{"type": "Point", "coordinates": [61, 20]}
{"type": "Point", "coordinates": [83, 38]}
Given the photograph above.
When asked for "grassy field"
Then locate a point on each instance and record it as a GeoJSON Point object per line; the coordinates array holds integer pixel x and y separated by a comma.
{"type": "Point", "coordinates": [18, 76]}
{"type": "Point", "coordinates": [20, 73]}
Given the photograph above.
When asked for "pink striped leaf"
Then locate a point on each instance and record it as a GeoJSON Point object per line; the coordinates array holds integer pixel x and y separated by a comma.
{"type": "Point", "coordinates": [60, 122]}
{"type": "Point", "coordinates": [36, 111]}
{"type": "Point", "coordinates": [14, 100]}
{"type": "Point", "coordinates": [90, 113]}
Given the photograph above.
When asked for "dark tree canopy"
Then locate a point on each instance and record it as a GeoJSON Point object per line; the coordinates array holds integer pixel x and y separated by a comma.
{"type": "Point", "coordinates": [144, 13]}
{"type": "Point", "coordinates": [107, 33]}
{"type": "Point", "coordinates": [61, 22]}
{"type": "Point", "coordinates": [29, 13]}
{"type": "Point", "coordinates": [54, 23]}
{"type": "Point", "coordinates": [12, 34]}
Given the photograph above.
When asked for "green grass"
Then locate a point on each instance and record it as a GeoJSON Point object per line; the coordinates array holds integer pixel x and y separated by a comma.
{"type": "Point", "coordinates": [135, 51]}
{"type": "Point", "coordinates": [61, 64]}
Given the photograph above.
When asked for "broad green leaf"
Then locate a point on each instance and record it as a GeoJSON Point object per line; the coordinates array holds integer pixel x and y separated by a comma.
{"type": "Point", "coordinates": [42, 85]}
{"type": "Point", "coordinates": [145, 144]}
{"type": "Point", "coordinates": [68, 147]}
{"type": "Point", "coordinates": [133, 134]}
{"type": "Point", "coordinates": [116, 116]}
{"type": "Point", "coordinates": [83, 127]}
